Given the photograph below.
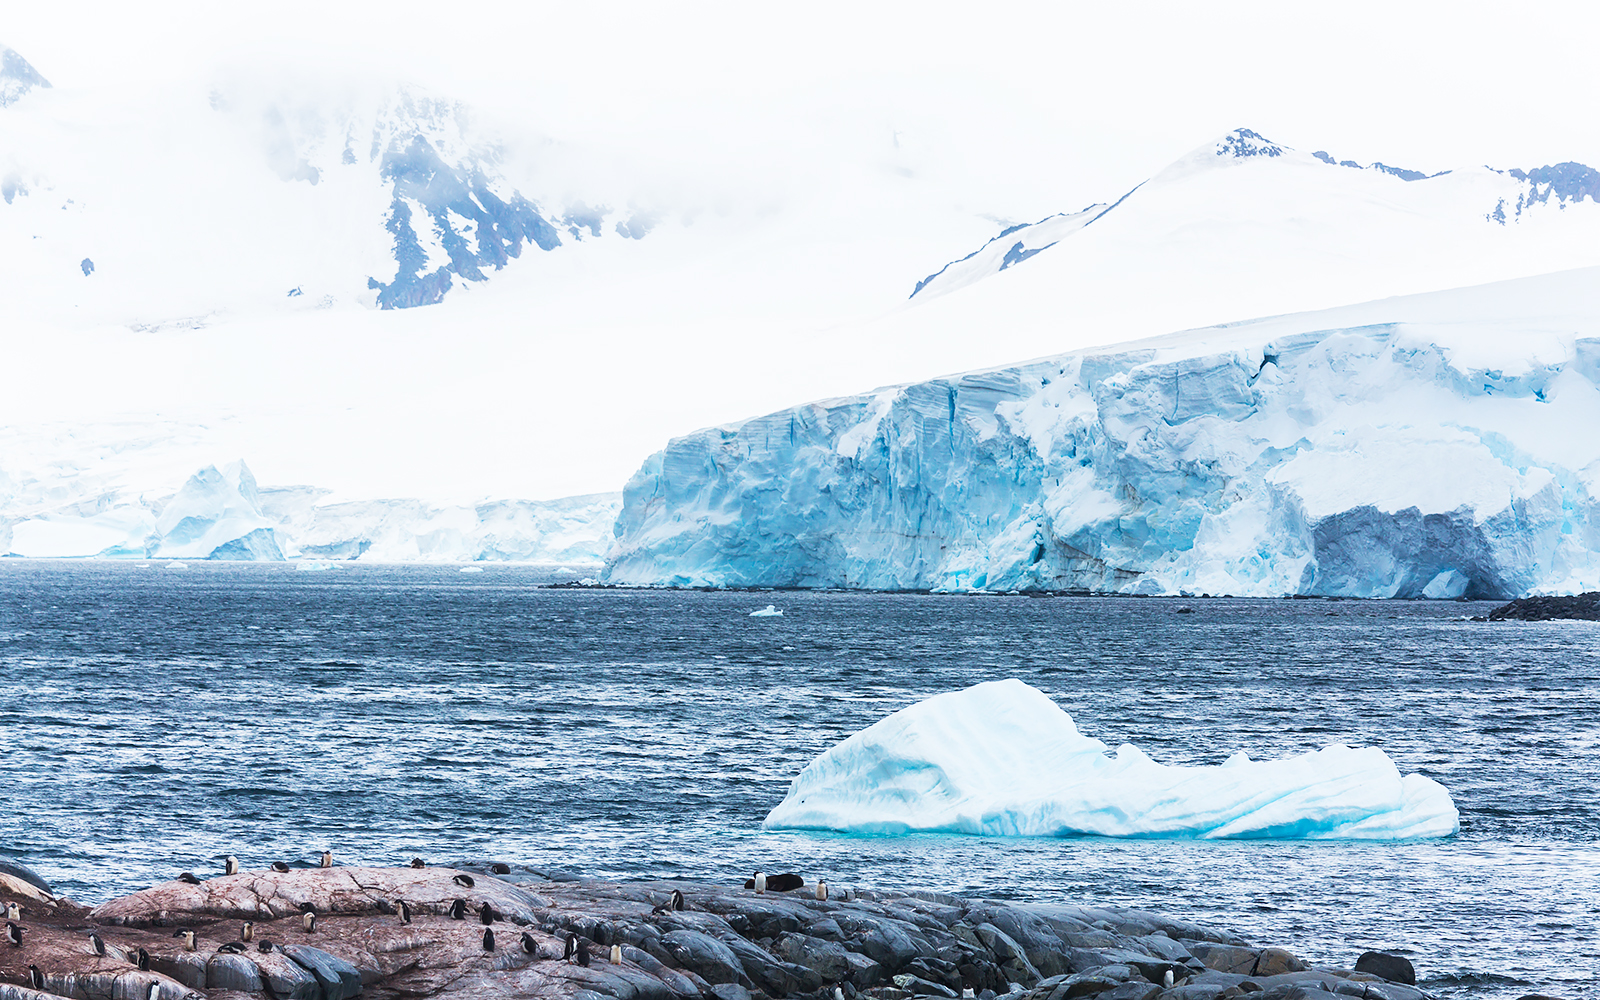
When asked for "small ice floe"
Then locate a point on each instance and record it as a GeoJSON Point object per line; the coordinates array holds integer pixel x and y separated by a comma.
{"type": "Point", "coordinates": [313, 566]}
{"type": "Point", "coordinates": [175, 564]}
{"type": "Point", "coordinates": [767, 612]}
{"type": "Point", "coordinates": [472, 569]}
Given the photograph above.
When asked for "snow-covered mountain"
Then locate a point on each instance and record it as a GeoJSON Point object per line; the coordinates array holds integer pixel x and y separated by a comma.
{"type": "Point", "coordinates": [17, 77]}
{"type": "Point", "coordinates": [261, 197]}
{"type": "Point", "coordinates": [1436, 445]}
{"type": "Point", "coordinates": [1299, 204]}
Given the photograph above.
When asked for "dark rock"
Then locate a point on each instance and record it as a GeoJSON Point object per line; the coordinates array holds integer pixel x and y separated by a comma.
{"type": "Point", "coordinates": [1132, 991]}
{"type": "Point", "coordinates": [26, 874]}
{"type": "Point", "coordinates": [829, 959]}
{"type": "Point", "coordinates": [709, 958]}
{"type": "Point", "coordinates": [338, 979]}
{"type": "Point", "coordinates": [1585, 607]}
{"type": "Point", "coordinates": [1225, 958]}
{"type": "Point", "coordinates": [730, 991]}
{"type": "Point", "coordinates": [1276, 961]}
{"type": "Point", "coordinates": [1394, 968]}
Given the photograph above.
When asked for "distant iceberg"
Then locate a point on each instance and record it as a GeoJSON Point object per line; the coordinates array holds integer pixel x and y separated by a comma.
{"type": "Point", "coordinates": [1002, 759]}
{"type": "Point", "coordinates": [770, 611]}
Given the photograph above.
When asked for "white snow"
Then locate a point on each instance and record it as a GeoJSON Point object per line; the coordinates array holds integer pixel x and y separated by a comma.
{"type": "Point", "coordinates": [1002, 759]}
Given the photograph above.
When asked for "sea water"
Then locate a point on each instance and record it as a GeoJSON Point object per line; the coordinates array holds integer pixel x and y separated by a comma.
{"type": "Point", "coordinates": [155, 720]}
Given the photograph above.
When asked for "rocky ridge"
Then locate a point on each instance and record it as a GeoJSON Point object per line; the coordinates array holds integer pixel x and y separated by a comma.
{"type": "Point", "coordinates": [392, 933]}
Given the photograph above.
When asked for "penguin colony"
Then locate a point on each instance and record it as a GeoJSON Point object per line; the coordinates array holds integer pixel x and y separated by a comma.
{"type": "Point", "coordinates": [574, 951]}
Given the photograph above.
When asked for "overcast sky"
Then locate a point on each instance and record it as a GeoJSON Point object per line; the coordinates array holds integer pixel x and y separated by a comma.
{"type": "Point", "coordinates": [1064, 98]}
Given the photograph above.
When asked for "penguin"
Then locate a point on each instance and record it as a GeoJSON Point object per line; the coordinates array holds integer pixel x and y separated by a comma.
{"type": "Point", "coordinates": [838, 994]}
{"type": "Point", "coordinates": [583, 957]}
{"type": "Point", "coordinates": [279, 866]}
{"type": "Point", "coordinates": [265, 947]}
{"type": "Point", "coordinates": [464, 881]}
{"type": "Point", "coordinates": [232, 948]}
{"type": "Point", "coordinates": [677, 900]}
{"type": "Point", "coordinates": [13, 911]}
{"type": "Point", "coordinates": [1166, 979]}
{"type": "Point", "coordinates": [488, 939]}
{"type": "Point", "coordinates": [154, 992]}
{"type": "Point", "coordinates": [570, 949]}
{"type": "Point", "coordinates": [785, 882]}
{"type": "Point", "coordinates": [308, 921]}
{"type": "Point", "coordinates": [142, 960]}
{"type": "Point", "coordinates": [418, 863]}
{"type": "Point", "coordinates": [327, 860]}
{"type": "Point", "coordinates": [458, 910]}
{"type": "Point", "coordinates": [187, 936]}
{"type": "Point", "coordinates": [96, 945]}
{"type": "Point", "coordinates": [189, 878]}
{"type": "Point", "coordinates": [14, 934]}
{"type": "Point", "coordinates": [822, 891]}
{"type": "Point", "coordinates": [759, 883]}
{"type": "Point", "coordinates": [616, 954]}
{"type": "Point", "coordinates": [230, 865]}
{"type": "Point", "coordinates": [247, 931]}
{"type": "Point", "coordinates": [35, 977]}
{"type": "Point", "coordinates": [529, 945]}
{"type": "Point", "coordinates": [405, 912]}
{"type": "Point", "coordinates": [487, 915]}
{"type": "Point", "coordinates": [499, 868]}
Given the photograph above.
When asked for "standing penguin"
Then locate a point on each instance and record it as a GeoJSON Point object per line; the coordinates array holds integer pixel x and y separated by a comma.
{"type": "Point", "coordinates": [230, 865]}
{"type": "Point", "coordinates": [35, 977]}
{"type": "Point", "coordinates": [487, 915]}
{"type": "Point", "coordinates": [247, 931]}
{"type": "Point", "coordinates": [142, 960]}
{"type": "Point", "coordinates": [677, 900]}
{"type": "Point", "coordinates": [187, 936]}
{"type": "Point", "coordinates": [327, 860]}
{"type": "Point", "coordinates": [822, 890]}
{"type": "Point", "coordinates": [154, 992]}
{"type": "Point", "coordinates": [405, 912]}
{"type": "Point", "coordinates": [616, 954]}
{"type": "Point", "coordinates": [308, 921]}
{"type": "Point", "coordinates": [458, 910]}
{"type": "Point", "coordinates": [1166, 979]}
{"type": "Point", "coordinates": [583, 956]}
{"type": "Point", "coordinates": [529, 945]}
{"type": "Point", "coordinates": [13, 911]}
{"type": "Point", "coordinates": [13, 934]}
{"type": "Point", "coordinates": [570, 948]}
{"type": "Point", "coordinates": [97, 945]}
{"type": "Point", "coordinates": [759, 883]}
{"type": "Point", "coordinates": [488, 939]}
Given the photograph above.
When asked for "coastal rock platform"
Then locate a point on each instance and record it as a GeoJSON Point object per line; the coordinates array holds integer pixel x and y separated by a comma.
{"type": "Point", "coordinates": [474, 935]}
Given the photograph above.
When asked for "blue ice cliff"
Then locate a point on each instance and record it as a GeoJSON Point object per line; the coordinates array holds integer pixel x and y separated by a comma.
{"type": "Point", "coordinates": [1435, 445]}
{"type": "Point", "coordinates": [1002, 759]}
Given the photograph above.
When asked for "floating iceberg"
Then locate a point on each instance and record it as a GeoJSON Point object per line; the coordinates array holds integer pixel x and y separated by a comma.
{"type": "Point", "coordinates": [770, 611]}
{"type": "Point", "coordinates": [472, 569]}
{"type": "Point", "coordinates": [1002, 759]}
{"type": "Point", "coordinates": [175, 564]}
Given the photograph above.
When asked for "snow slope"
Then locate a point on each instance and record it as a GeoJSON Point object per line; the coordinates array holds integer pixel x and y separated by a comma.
{"type": "Point", "coordinates": [1434, 445]}
{"type": "Point", "coordinates": [1002, 759]}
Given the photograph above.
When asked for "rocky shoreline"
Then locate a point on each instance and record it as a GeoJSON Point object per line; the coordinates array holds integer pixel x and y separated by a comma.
{"type": "Point", "coordinates": [424, 932]}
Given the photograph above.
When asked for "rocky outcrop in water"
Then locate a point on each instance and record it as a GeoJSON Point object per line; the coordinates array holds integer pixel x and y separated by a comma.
{"type": "Point", "coordinates": [1585, 607]}
{"type": "Point", "coordinates": [391, 933]}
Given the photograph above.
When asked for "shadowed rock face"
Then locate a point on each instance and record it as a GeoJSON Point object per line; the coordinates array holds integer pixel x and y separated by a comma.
{"type": "Point", "coordinates": [728, 943]}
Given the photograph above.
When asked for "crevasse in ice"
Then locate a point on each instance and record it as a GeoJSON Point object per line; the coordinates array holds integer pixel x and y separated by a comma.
{"type": "Point", "coordinates": [1002, 759]}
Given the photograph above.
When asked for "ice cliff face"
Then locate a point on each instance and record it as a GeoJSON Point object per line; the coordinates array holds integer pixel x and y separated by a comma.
{"type": "Point", "coordinates": [1299, 186]}
{"type": "Point", "coordinates": [1432, 445]}
{"type": "Point", "coordinates": [224, 514]}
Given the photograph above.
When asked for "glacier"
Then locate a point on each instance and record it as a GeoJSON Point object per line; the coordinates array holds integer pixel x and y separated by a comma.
{"type": "Point", "coordinates": [1001, 759]}
{"type": "Point", "coordinates": [223, 514]}
{"type": "Point", "coordinates": [1432, 445]}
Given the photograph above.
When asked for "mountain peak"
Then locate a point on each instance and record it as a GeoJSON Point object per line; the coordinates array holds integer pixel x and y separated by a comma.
{"type": "Point", "coordinates": [1243, 142]}
{"type": "Point", "coordinates": [17, 77]}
